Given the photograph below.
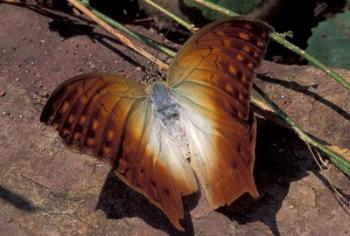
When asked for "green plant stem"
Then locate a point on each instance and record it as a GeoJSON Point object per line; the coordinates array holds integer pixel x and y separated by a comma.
{"type": "Point", "coordinates": [217, 8]}
{"type": "Point", "coordinates": [277, 38]}
{"type": "Point", "coordinates": [129, 32]}
{"type": "Point", "coordinates": [339, 162]}
{"type": "Point", "coordinates": [281, 40]}
{"type": "Point", "coordinates": [182, 22]}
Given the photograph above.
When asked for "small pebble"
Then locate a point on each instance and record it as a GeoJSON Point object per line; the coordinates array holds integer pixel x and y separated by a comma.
{"type": "Point", "coordinates": [45, 94]}
{"type": "Point", "coordinates": [20, 116]}
{"type": "Point", "coordinates": [2, 93]}
{"type": "Point", "coordinates": [92, 65]}
{"type": "Point", "coordinates": [5, 113]}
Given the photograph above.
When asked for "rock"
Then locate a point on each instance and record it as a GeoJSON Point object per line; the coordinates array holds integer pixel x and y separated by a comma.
{"type": "Point", "coordinates": [318, 104]}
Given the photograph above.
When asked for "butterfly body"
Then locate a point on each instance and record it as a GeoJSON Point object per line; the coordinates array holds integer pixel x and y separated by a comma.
{"type": "Point", "coordinates": [166, 115]}
{"type": "Point", "coordinates": [166, 138]}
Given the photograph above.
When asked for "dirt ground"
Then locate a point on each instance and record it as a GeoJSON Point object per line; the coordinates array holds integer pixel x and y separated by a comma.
{"type": "Point", "coordinates": [48, 189]}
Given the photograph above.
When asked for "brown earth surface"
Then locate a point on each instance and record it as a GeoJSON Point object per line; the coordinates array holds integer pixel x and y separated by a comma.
{"type": "Point", "coordinates": [48, 189]}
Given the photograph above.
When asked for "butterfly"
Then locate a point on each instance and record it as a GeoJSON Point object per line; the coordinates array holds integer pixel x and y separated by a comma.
{"type": "Point", "coordinates": [170, 138]}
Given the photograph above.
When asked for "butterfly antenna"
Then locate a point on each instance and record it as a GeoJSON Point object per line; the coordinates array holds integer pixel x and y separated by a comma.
{"type": "Point", "coordinates": [158, 51]}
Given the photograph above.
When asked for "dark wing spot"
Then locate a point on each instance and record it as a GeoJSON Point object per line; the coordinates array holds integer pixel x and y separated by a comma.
{"type": "Point", "coordinates": [233, 164]}
{"type": "Point", "coordinates": [167, 192]}
{"type": "Point", "coordinates": [238, 148]}
{"type": "Point", "coordinates": [91, 133]}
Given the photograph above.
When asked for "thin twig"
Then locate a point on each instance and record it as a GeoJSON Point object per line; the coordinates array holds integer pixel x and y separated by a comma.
{"type": "Point", "coordinates": [130, 33]}
{"type": "Point", "coordinates": [337, 194]}
{"type": "Point", "coordinates": [321, 159]}
{"type": "Point", "coordinates": [179, 20]}
{"type": "Point", "coordinates": [118, 35]}
{"type": "Point", "coordinates": [314, 156]}
{"type": "Point", "coordinates": [281, 40]}
{"type": "Point", "coordinates": [217, 8]}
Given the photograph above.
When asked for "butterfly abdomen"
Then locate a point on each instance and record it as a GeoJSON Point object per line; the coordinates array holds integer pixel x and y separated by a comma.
{"type": "Point", "coordinates": [163, 104]}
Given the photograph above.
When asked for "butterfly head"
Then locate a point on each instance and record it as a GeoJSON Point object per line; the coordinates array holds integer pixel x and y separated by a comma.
{"type": "Point", "coordinates": [151, 77]}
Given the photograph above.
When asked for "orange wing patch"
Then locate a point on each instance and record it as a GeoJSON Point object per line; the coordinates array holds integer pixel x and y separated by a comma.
{"type": "Point", "coordinates": [212, 76]}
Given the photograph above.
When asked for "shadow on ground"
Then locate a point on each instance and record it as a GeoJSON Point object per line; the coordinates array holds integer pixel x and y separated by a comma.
{"type": "Point", "coordinates": [277, 166]}
{"type": "Point", "coordinates": [305, 90]}
{"type": "Point", "coordinates": [16, 200]}
{"type": "Point", "coordinates": [117, 201]}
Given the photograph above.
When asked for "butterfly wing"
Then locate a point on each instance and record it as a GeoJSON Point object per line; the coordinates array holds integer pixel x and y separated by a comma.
{"type": "Point", "coordinates": [211, 78]}
{"type": "Point", "coordinates": [112, 118]}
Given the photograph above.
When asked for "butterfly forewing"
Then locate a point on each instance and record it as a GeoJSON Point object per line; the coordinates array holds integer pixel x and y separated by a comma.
{"type": "Point", "coordinates": [112, 118]}
{"type": "Point", "coordinates": [211, 78]}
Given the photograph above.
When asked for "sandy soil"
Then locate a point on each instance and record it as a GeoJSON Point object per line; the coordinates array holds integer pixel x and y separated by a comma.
{"type": "Point", "coordinates": [48, 189]}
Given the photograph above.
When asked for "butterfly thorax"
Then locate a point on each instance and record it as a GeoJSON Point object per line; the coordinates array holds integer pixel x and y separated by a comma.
{"type": "Point", "coordinates": [166, 110]}
{"type": "Point", "coordinates": [152, 77]}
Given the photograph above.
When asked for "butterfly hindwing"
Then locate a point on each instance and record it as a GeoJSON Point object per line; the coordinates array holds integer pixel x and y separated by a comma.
{"type": "Point", "coordinates": [111, 117]}
{"type": "Point", "coordinates": [211, 78]}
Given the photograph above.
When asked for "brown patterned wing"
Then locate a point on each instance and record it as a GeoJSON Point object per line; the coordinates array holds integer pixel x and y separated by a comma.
{"type": "Point", "coordinates": [112, 118]}
{"type": "Point", "coordinates": [211, 78]}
